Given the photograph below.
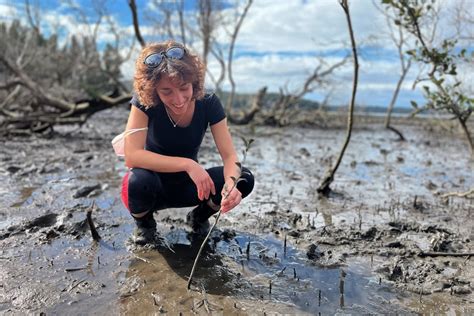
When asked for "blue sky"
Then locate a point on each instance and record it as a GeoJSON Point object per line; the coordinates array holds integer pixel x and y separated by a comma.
{"type": "Point", "coordinates": [278, 44]}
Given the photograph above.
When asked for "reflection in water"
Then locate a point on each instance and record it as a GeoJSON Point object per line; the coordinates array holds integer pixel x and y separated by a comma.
{"type": "Point", "coordinates": [210, 272]}
{"type": "Point", "coordinates": [91, 256]}
{"type": "Point", "coordinates": [226, 274]}
{"type": "Point", "coordinates": [342, 277]}
{"type": "Point", "coordinates": [165, 272]}
{"type": "Point", "coordinates": [25, 194]}
{"type": "Point", "coordinates": [412, 171]}
{"type": "Point", "coordinates": [327, 218]}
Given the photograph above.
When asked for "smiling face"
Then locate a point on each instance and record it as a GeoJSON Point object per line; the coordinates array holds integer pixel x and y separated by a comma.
{"type": "Point", "coordinates": [175, 94]}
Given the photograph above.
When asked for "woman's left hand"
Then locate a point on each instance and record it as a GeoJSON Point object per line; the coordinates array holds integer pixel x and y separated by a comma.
{"type": "Point", "coordinates": [233, 199]}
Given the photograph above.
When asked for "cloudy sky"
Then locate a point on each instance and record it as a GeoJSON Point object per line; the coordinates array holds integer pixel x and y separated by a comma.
{"type": "Point", "coordinates": [278, 45]}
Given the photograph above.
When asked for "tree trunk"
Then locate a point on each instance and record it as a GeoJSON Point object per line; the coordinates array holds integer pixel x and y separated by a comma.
{"type": "Point", "coordinates": [136, 26]}
{"type": "Point", "coordinates": [468, 134]}
{"type": "Point", "coordinates": [324, 187]}
{"type": "Point", "coordinates": [230, 100]}
{"type": "Point", "coordinates": [392, 103]}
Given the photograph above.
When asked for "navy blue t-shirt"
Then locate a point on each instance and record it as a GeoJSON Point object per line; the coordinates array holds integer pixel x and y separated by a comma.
{"type": "Point", "coordinates": [165, 139]}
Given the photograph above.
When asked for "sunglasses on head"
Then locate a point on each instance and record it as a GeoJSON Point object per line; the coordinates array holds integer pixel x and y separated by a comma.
{"type": "Point", "coordinates": [153, 60]}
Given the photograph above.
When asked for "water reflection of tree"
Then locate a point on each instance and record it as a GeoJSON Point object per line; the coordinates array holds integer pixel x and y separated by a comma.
{"type": "Point", "coordinates": [212, 275]}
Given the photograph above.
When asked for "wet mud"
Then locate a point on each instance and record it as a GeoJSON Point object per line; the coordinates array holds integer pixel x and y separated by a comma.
{"type": "Point", "coordinates": [384, 241]}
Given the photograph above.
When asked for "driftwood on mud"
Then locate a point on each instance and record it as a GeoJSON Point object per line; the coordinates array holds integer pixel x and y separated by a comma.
{"type": "Point", "coordinates": [285, 110]}
{"type": "Point", "coordinates": [446, 254]}
{"type": "Point", "coordinates": [65, 112]}
{"type": "Point", "coordinates": [75, 269]}
{"type": "Point", "coordinates": [246, 117]}
{"type": "Point", "coordinates": [459, 194]}
{"type": "Point", "coordinates": [45, 84]}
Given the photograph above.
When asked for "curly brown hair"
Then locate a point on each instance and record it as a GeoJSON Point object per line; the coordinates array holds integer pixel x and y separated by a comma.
{"type": "Point", "coordinates": [187, 69]}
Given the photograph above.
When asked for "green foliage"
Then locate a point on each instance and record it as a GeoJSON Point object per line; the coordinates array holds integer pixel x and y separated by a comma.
{"type": "Point", "coordinates": [442, 60]}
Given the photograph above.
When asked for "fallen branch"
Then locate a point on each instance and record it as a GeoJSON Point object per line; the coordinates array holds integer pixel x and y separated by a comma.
{"type": "Point", "coordinates": [247, 116]}
{"type": "Point", "coordinates": [446, 254]}
{"type": "Point", "coordinates": [64, 111]}
{"type": "Point", "coordinates": [95, 234]}
{"type": "Point", "coordinates": [146, 260]}
{"type": "Point", "coordinates": [115, 100]}
{"type": "Point", "coordinates": [75, 285]}
{"type": "Point", "coordinates": [75, 269]}
{"type": "Point", "coordinates": [459, 194]}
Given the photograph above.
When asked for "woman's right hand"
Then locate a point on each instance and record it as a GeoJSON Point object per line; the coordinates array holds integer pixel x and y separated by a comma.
{"type": "Point", "coordinates": [202, 180]}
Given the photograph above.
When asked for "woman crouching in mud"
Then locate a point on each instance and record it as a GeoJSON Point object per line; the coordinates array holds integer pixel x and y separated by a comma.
{"type": "Point", "coordinates": [168, 119]}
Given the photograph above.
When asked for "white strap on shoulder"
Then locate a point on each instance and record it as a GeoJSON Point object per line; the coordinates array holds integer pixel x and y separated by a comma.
{"type": "Point", "coordinates": [118, 142]}
{"type": "Point", "coordinates": [133, 130]}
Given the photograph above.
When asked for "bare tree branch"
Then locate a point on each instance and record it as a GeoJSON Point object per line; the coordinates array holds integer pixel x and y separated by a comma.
{"type": "Point", "coordinates": [206, 27]}
{"type": "Point", "coordinates": [463, 20]}
{"type": "Point", "coordinates": [136, 27]}
{"type": "Point", "coordinates": [318, 76]}
{"type": "Point", "coordinates": [11, 96]}
{"type": "Point", "coordinates": [180, 9]}
{"type": "Point", "coordinates": [33, 18]}
{"type": "Point", "coordinates": [247, 117]}
{"type": "Point", "coordinates": [219, 56]}
{"type": "Point", "coordinates": [10, 84]}
{"type": "Point", "coordinates": [36, 89]}
{"type": "Point", "coordinates": [400, 43]}
{"type": "Point", "coordinates": [283, 110]}
{"type": "Point", "coordinates": [233, 38]}
{"type": "Point", "coordinates": [57, 85]}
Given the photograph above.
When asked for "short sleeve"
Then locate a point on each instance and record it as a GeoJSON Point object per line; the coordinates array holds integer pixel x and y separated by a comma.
{"type": "Point", "coordinates": [136, 103]}
{"type": "Point", "coordinates": [215, 111]}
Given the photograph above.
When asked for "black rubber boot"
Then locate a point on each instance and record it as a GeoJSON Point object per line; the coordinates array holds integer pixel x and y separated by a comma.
{"type": "Point", "coordinates": [198, 218]}
{"type": "Point", "coordinates": [145, 231]}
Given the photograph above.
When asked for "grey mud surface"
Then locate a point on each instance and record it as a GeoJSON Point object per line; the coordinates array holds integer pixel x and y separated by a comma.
{"type": "Point", "coordinates": [366, 240]}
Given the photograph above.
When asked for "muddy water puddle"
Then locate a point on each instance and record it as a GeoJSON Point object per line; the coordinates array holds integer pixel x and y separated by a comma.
{"type": "Point", "coordinates": [245, 273]}
{"type": "Point", "coordinates": [238, 272]}
{"type": "Point", "coordinates": [310, 288]}
{"type": "Point", "coordinates": [233, 279]}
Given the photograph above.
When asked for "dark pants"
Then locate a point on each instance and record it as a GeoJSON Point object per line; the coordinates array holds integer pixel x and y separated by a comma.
{"type": "Point", "coordinates": [144, 190]}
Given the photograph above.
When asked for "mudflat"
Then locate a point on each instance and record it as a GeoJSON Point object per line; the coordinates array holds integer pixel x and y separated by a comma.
{"type": "Point", "coordinates": [387, 239]}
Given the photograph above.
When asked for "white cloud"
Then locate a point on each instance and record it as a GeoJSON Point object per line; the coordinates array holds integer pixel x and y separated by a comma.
{"type": "Point", "coordinates": [7, 11]}
{"type": "Point", "coordinates": [274, 71]}
{"type": "Point", "coordinates": [278, 42]}
{"type": "Point", "coordinates": [286, 36]}
{"type": "Point", "coordinates": [273, 26]}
